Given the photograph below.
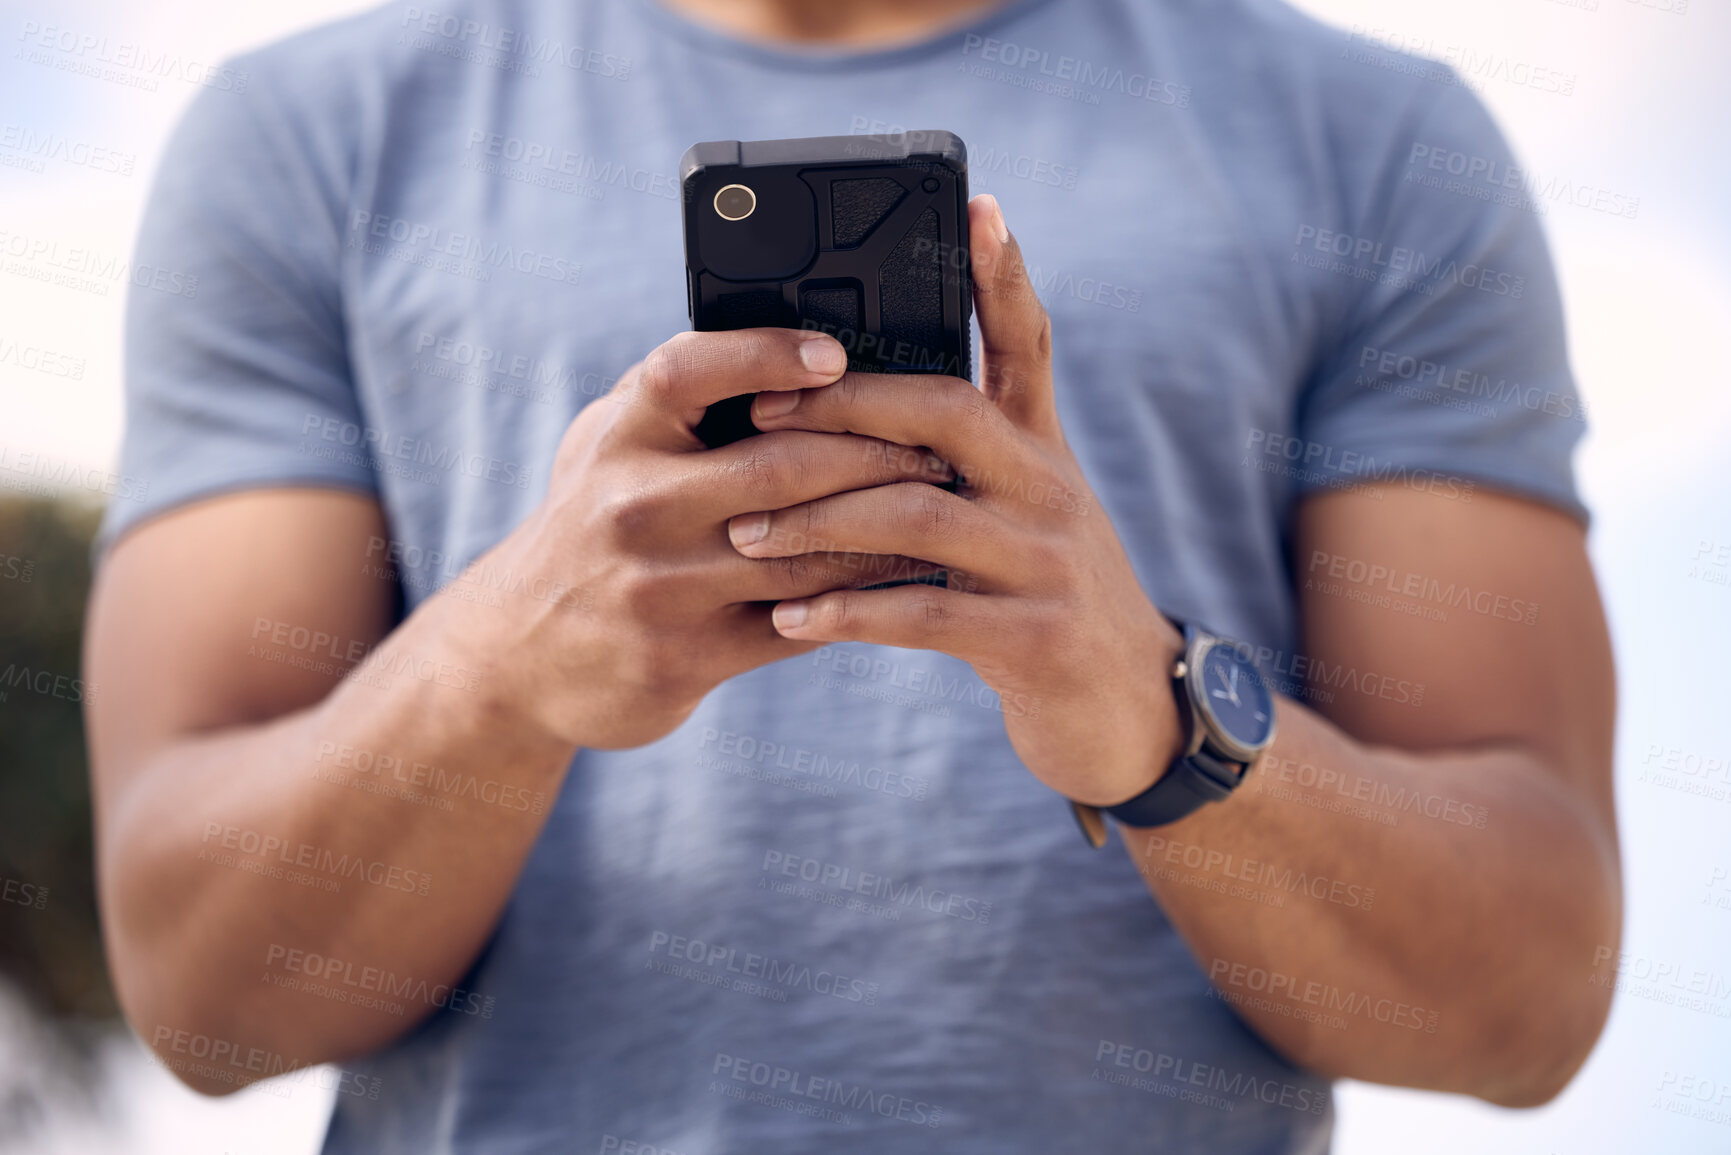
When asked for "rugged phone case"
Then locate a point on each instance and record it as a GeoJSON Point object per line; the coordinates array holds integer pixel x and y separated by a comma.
{"type": "Point", "coordinates": [861, 237]}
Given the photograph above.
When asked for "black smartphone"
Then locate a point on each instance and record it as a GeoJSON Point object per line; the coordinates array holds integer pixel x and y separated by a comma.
{"type": "Point", "coordinates": [861, 237]}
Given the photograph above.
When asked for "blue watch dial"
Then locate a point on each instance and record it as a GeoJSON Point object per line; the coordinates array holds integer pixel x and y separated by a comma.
{"type": "Point", "coordinates": [1237, 696]}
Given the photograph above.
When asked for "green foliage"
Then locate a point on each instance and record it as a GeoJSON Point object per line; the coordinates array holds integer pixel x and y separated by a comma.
{"type": "Point", "coordinates": [54, 953]}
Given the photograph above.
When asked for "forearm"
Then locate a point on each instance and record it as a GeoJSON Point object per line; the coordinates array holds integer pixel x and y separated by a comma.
{"type": "Point", "coordinates": [1407, 918]}
{"type": "Point", "coordinates": [367, 843]}
{"type": "Point", "coordinates": [600, 621]}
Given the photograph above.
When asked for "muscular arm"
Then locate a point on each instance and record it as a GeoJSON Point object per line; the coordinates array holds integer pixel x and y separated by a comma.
{"type": "Point", "coordinates": [1468, 969]}
{"type": "Point", "coordinates": [1480, 815]}
{"type": "Point", "coordinates": [208, 742]}
{"type": "Point", "coordinates": [272, 815]}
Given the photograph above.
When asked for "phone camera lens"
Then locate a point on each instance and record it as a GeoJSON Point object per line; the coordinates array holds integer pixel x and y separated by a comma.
{"type": "Point", "coordinates": [735, 202]}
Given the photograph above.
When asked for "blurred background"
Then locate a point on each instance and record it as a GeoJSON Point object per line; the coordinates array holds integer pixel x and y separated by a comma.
{"type": "Point", "coordinates": [1630, 165]}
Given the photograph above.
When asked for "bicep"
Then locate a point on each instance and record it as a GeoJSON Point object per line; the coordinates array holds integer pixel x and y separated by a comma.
{"type": "Point", "coordinates": [234, 610]}
{"type": "Point", "coordinates": [1486, 608]}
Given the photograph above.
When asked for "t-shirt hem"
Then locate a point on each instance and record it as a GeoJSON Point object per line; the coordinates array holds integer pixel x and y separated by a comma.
{"type": "Point", "coordinates": [1455, 477]}
{"type": "Point", "coordinates": [119, 521]}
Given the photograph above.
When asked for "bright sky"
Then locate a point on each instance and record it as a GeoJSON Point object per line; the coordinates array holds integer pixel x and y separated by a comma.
{"type": "Point", "coordinates": [1649, 300]}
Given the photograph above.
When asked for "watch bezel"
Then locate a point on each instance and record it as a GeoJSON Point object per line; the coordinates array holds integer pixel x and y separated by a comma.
{"type": "Point", "coordinates": [1206, 728]}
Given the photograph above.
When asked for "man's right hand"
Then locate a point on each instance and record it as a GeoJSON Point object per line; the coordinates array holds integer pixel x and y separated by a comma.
{"type": "Point", "coordinates": [219, 728]}
{"type": "Point", "coordinates": [654, 607]}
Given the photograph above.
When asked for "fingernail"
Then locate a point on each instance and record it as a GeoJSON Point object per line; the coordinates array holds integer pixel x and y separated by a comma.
{"type": "Point", "coordinates": [999, 228]}
{"type": "Point", "coordinates": [748, 529]}
{"type": "Point", "coordinates": [788, 615]}
{"type": "Point", "coordinates": [821, 354]}
{"type": "Point", "coordinates": [775, 404]}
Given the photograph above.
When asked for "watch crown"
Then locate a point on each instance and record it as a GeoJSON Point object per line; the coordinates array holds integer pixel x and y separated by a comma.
{"type": "Point", "coordinates": [1180, 669]}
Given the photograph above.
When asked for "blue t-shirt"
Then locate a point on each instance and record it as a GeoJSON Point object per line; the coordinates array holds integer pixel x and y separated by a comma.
{"type": "Point", "coordinates": [832, 912]}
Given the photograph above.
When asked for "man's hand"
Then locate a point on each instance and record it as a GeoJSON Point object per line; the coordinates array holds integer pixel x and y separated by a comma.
{"type": "Point", "coordinates": [654, 609]}
{"type": "Point", "coordinates": [621, 605]}
{"type": "Point", "coordinates": [1474, 968]}
{"type": "Point", "coordinates": [1056, 621]}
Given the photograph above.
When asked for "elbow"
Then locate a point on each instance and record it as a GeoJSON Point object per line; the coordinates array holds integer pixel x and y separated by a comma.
{"type": "Point", "coordinates": [184, 948]}
{"type": "Point", "coordinates": [206, 1057]}
{"type": "Point", "coordinates": [1540, 1032]}
{"type": "Point", "coordinates": [209, 1051]}
{"type": "Point", "coordinates": [1539, 1083]}
{"type": "Point", "coordinates": [209, 1034]}
{"type": "Point", "coordinates": [1551, 1053]}
{"type": "Point", "coordinates": [201, 1075]}
{"type": "Point", "coordinates": [1523, 1096]}
{"type": "Point", "coordinates": [1518, 981]}
{"type": "Point", "coordinates": [218, 1033]}
{"type": "Point", "coordinates": [1531, 1058]}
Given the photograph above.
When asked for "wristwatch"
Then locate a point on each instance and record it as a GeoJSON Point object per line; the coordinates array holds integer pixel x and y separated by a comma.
{"type": "Point", "coordinates": [1229, 712]}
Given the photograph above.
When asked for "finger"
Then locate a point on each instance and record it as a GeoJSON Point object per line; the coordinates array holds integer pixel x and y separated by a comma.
{"type": "Point", "coordinates": [909, 519]}
{"type": "Point", "coordinates": [689, 372]}
{"type": "Point", "coordinates": [742, 579]}
{"type": "Point", "coordinates": [1015, 331]}
{"type": "Point", "coordinates": [751, 640]}
{"type": "Point", "coordinates": [790, 467]}
{"type": "Point", "coordinates": [963, 625]}
{"type": "Point", "coordinates": [958, 422]}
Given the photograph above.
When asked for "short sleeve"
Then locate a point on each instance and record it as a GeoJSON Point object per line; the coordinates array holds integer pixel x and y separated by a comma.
{"type": "Point", "coordinates": [1449, 370]}
{"type": "Point", "coordinates": [235, 342]}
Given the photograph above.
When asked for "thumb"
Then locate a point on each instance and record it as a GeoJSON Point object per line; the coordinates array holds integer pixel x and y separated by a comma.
{"type": "Point", "coordinates": [1015, 332]}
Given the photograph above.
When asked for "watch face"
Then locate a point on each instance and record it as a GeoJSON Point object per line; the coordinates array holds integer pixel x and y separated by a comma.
{"type": "Point", "coordinates": [1236, 695]}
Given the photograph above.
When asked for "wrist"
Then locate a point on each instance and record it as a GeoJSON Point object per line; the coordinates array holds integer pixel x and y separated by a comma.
{"type": "Point", "coordinates": [1231, 722]}
{"type": "Point", "coordinates": [1173, 727]}
{"type": "Point", "coordinates": [1156, 716]}
{"type": "Point", "coordinates": [495, 619]}
{"type": "Point", "coordinates": [432, 692]}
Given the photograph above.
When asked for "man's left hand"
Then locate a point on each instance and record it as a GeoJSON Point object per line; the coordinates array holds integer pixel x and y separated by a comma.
{"type": "Point", "coordinates": [1042, 601]}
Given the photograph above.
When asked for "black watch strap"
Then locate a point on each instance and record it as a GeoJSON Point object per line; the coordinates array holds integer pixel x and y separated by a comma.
{"type": "Point", "coordinates": [1191, 783]}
